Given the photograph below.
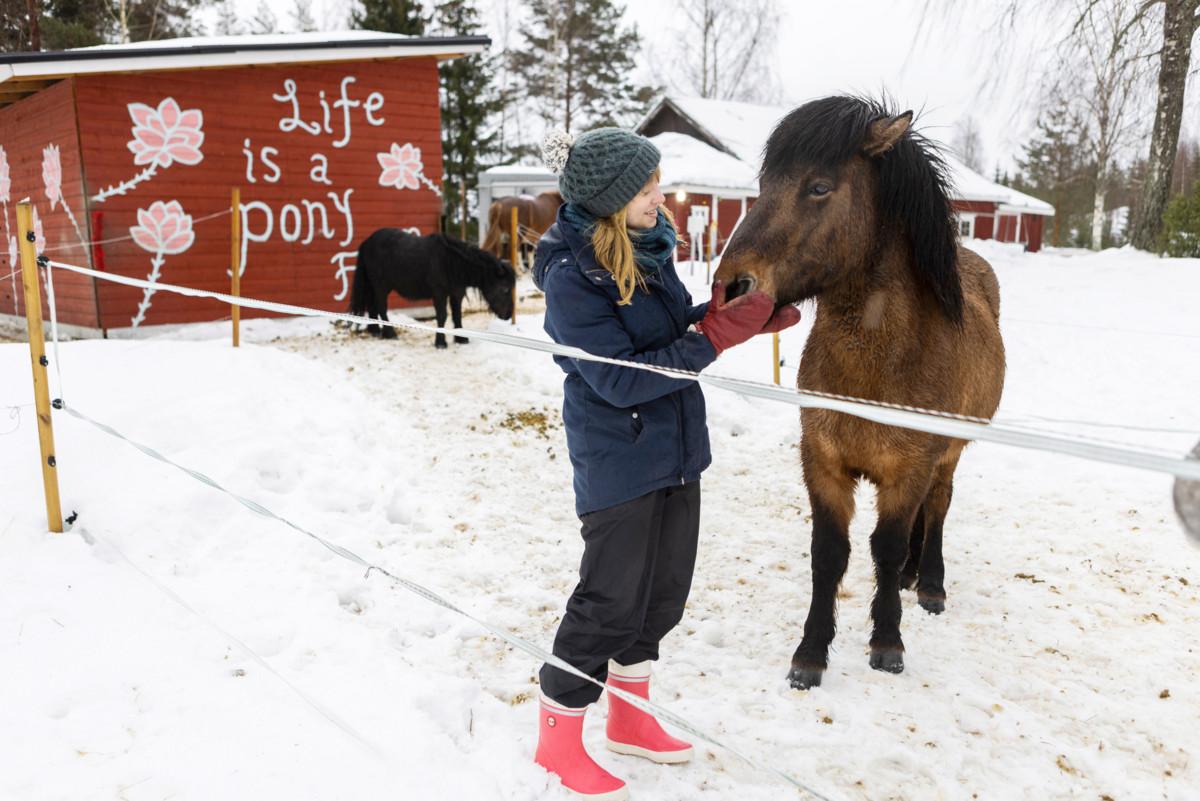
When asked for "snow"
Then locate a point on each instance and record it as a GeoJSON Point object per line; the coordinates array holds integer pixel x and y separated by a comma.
{"type": "Point", "coordinates": [742, 127]}
{"type": "Point", "coordinates": [173, 644]}
{"type": "Point", "coordinates": [251, 39]}
{"type": "Point", "coordinates": [686, 161]}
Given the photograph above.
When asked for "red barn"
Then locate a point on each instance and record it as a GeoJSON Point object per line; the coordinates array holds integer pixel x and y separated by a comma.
{"type": "Point", "coordinates": [137, 148]}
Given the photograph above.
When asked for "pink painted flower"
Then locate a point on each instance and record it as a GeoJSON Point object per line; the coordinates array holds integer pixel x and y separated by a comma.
{"type": "Point", "coordinates": [39, 234]}
{"type": "Point", "coordinates": [5, 180]}
{"type": "Point", "coordinates": [52, 174]}
{"type": "Point", "coordinates": [163, 228]}
{"type": "Point", "coordinates": [165, 135]}
{"type": "Point", "coordinates": [401, 167]}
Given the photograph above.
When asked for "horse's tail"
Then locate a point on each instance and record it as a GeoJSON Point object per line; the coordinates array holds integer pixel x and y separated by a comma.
{"type": "Point", "coordinates": [491, 242]}
{"type": "Point", "coordinates": [360, 290]}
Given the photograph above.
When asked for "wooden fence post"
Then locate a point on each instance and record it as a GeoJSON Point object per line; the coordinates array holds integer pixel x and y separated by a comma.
{"type": "Point", "coordinates": [515, 255]}
{"type": "Point", "coordinates": [235, 260]}
{"type": "Point", "coordinates": [775, 348]}
{"type": "Point", "coordinates": [37, 355]}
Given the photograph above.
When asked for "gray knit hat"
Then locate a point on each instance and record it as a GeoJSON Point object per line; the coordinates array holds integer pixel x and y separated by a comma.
{"type": "Point", "coordinates": [603, 169]}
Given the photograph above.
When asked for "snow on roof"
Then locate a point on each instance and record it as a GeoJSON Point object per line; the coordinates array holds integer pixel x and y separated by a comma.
{"type": "Point", "coordinates": [743, 128]}
{"type": "Point", "coordinates": [688, 163]}
{"type": "Point", "coordinates": [966, 184]}
{"type": "Point", "coordinates": [229, 51]}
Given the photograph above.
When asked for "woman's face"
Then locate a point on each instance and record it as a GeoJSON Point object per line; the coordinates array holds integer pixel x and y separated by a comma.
{"type": "Point", "coordinates": [642, 211]}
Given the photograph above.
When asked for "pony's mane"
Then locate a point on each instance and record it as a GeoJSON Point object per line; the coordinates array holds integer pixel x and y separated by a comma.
{"type": "Point", "coordinates": [912, 193]}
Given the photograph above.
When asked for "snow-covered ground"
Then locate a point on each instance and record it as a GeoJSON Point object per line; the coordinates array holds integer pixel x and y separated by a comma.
{"type": "Point", "coordinates": [175, 645]}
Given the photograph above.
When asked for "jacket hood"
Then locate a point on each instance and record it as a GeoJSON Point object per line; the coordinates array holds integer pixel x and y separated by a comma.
{"type": "Point", "coordinates": [561, 245]}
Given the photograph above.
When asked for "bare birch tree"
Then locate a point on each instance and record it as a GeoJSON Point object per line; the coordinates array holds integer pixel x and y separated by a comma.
{"type": "Point", "coordinates": [726, 49]}
{"type": "Point", "coordinates": [967, 144]}
{"type": "Point", "coordinates": [1106, 64]}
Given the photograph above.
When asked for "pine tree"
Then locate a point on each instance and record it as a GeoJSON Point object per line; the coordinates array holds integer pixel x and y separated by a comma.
{"type": "Point", "coordinates": [575, 64]}
{"type": "Point", "coordinates": [469, 102]}
{"type": "Point", "coordinates": [264, 20]}
{"type": "Point", "coordinates": [390, 16]}
{"type": "Point", "coordinates": [302, 18]}
{"type": "Point", "coordinates": [227, 23]}
{"type": "Point", "coordinates": [1055, 167]}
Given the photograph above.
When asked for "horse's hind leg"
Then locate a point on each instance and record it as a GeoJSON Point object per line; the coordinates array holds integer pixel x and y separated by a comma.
{"type": "Point", "coordinates": [899, 502]}
{"type": "Point", "coordinates": [380, 311]}
{"type": "Point", "coordinates": [916, 539]}
{"type": "Point", "coordinates": [831, 492]}
{"type": "Point", "coordinates": [931, 593]}
{"type": "Point", "coordinates": [439, 309]}
{"type": "Point", "coordinates": [456, 299]}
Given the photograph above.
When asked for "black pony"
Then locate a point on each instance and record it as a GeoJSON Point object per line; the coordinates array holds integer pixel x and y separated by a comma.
{"type": "Point", "coordinates": [433, 267]}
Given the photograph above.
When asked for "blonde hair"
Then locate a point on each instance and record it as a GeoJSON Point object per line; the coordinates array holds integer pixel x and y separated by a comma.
{"type": "Point", "coordinates": [614, 249]}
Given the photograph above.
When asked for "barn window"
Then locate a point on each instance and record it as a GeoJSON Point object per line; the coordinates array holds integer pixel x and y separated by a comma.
{"type": "Point", "coordinates": [966, 226]}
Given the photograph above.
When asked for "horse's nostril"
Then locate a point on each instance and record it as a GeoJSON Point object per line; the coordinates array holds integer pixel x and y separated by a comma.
{"type": "Point", "coordinates": [740, 287]}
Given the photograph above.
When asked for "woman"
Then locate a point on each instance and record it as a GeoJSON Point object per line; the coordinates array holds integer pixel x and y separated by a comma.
{"type": "Point", "coordinates": [638, 440]}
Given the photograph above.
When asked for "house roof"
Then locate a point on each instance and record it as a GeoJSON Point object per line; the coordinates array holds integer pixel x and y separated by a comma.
{"type": "Point", "coordinates": [22, 74]}
{"type": "Point", "coordinates": [694, 166]}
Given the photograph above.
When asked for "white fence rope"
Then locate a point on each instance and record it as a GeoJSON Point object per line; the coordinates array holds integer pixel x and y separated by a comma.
{"type": "Point", "coordinates": [520, 643]}
{"type": "Point", "coordinates": [946, 424]}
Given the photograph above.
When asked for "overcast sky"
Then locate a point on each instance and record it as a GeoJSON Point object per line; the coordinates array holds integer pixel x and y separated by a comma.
{"type": "Point", "coordinates": [865, 46]}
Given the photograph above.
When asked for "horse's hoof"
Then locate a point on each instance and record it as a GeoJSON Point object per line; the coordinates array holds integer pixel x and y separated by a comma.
{"type": "Point", "coordinates": [461, 341]}
{"type": "Point", "coordinates": [933, 604]}
{"type": "Point", "coordinates": [440, 345]}
{"type": "Point", "coordinates": [388, 333]}
{"type": "Point", "coordinates": [890, 660]}
{"type": "Point", "coordinates": [802, 678]}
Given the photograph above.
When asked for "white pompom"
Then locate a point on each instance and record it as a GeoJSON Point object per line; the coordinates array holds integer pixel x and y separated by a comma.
{"type": "Point", "coordinates": [556, 147]}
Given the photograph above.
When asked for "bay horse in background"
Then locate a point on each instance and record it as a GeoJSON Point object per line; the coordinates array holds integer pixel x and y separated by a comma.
{"type": "Point", "coordinates": [434, 267]}
{"type": "Point", "coordinates": [854, 212]}
{"type": "Point", "coordinates": [534, 216]}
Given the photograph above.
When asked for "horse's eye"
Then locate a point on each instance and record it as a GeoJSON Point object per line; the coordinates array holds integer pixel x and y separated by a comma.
{"type": "Point", "coordinates": [820, 189]}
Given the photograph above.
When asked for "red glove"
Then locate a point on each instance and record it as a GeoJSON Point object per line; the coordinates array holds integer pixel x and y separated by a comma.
{"type": "Point", "coordinates": [784, 317]}
{"type": "Point", "coordinates": [729, 324]}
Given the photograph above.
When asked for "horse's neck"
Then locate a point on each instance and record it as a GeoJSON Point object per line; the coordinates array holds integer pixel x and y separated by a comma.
{"type": "Point", "coordinates": [872, 322]}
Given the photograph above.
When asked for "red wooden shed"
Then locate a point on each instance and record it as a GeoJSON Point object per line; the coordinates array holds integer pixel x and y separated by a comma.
{"type": "Point", "coordinates": [137, 148]}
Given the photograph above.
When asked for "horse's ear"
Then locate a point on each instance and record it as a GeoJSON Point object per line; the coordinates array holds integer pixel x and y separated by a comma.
{"type": "Point", "coordinates": [883, 133]}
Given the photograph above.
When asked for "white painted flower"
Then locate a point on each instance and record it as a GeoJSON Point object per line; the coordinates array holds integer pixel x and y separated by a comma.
{"type": "Point", "coordinates": [163, 228]}
{"type": "Point", "coordinates": [164, 135]}
{"type": "Point", "coordinates": [5, 178]}
{"type": "Point", "coordinates": [401, 167]}
{"type": "Point", "coordinates": [13, 253]}
{"type": "Point", "coordinates": [52, 174]}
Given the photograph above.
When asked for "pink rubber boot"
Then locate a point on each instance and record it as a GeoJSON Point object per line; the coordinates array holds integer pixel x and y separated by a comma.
{"type": "Point", "coordinates": [560, 750]}
{"type": "Point", "coordinates": [632, 731]}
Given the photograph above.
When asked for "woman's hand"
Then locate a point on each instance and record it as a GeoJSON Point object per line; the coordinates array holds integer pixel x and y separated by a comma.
{"type": "Point", "coordinates": [729, 324]}
{"type": "Point", "coordinates": [784, 317]}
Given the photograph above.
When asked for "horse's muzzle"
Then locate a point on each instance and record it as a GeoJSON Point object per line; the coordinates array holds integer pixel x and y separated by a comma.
{"type": "Point", "coordinates": [742, 286]}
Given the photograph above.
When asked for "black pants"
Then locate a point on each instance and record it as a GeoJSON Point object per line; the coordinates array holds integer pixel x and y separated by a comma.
{"type": "Point", "coordinates": [638, 559]}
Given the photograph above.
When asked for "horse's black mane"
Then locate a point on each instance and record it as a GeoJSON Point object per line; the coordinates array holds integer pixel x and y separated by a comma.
{"type": "Point", "coordinates": [913, 193]}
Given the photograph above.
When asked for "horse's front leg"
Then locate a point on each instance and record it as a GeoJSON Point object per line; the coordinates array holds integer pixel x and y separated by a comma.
{"type": "Point", "coordinates": [439, 310]}
{"type": "Point", "coordinates": [898, 504]}
{"type": "Point", "coordinates": [456, 299]}
{"type": "Point", "coordinates": [831, 493]}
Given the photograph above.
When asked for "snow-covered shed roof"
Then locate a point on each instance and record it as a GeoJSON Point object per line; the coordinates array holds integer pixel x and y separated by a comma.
{"type": "Point", "coordinates": [21, 74]}
{"type": "Point", "coordinates": [693, 166]}
{"type": "Point", "coordinates": [966, 184]}
{"type": "Point", "coordinates": [739, 129]}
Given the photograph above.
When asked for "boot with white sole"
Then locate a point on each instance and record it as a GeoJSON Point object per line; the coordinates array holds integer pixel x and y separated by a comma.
{"type": "Point", "coordinates": [560, 750]}
{"type": "Point", "coordinates": [632, 731]}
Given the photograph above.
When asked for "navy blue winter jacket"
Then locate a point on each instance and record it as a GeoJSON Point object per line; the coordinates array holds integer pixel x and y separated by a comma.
{"type": "Point", "coordinates": [629, 431]}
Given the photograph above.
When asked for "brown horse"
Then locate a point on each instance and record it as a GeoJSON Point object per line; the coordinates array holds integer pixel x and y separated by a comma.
{"type": "Point", "coordinates": [854, 212]}
{"type": "Point", "coordinates": [534, 216]}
